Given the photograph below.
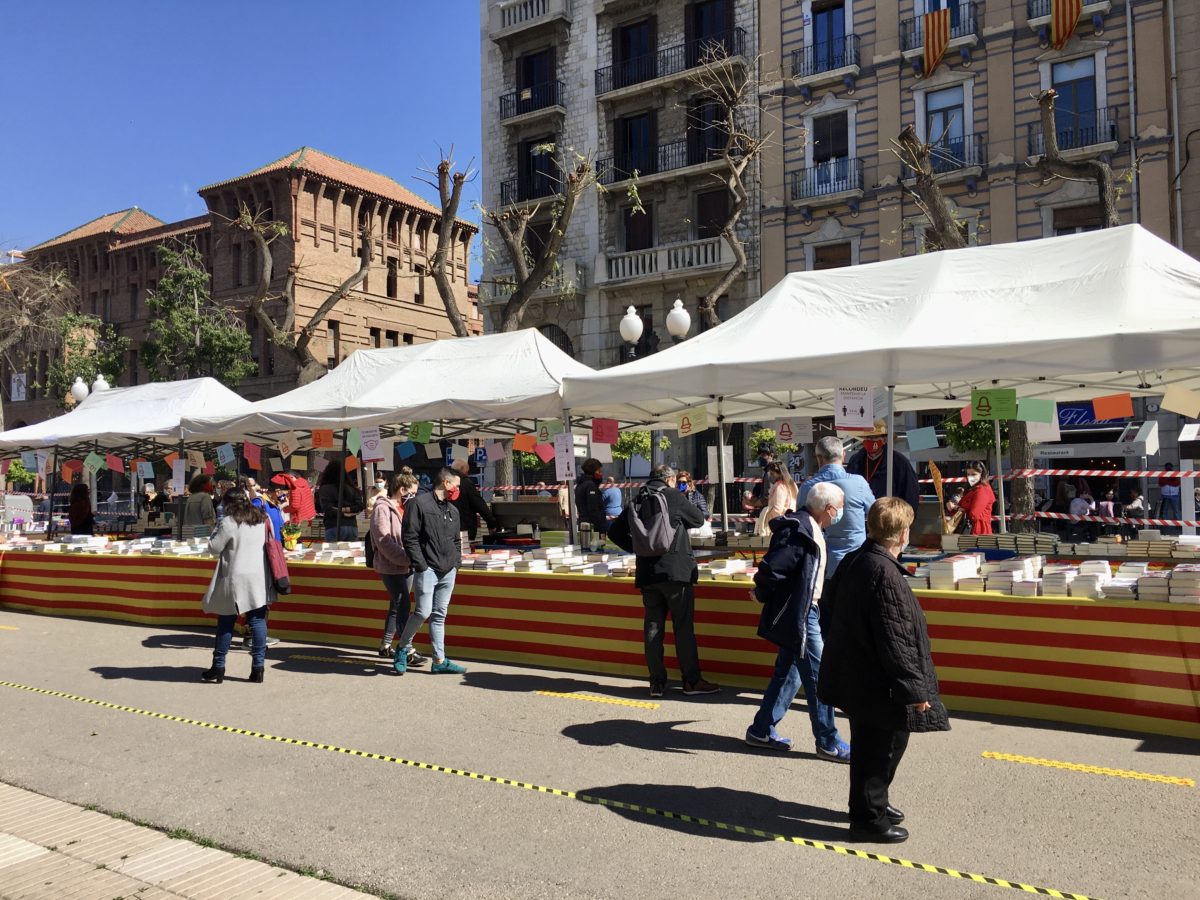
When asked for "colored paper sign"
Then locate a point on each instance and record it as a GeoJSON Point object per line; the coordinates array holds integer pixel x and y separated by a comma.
{"type": "Point", "coordinates": [495, 451]}
{"type": "Point", "coordinates": [67, 472]}
{"type": "Point", "coordinates": [225, 454]}
{"type": "Point", "coordinates": [387, 456]}
{"type": "Point", "coordinates": [210, 467]}
{"type": "Point", "coordinates": [178, 475]}
{"type": "Point", "coordinates": [407, 449]}
{"type": "Point", "coordinates": [170, 458]}
{"type": "Point", "coordinates": [4, 464]}
{"type": "Point", "coordinates": [1043, 432]}
{"type": "Point", "coordinates": [693, 422]}
{"type": "Point", "coordinates": [1032, 409]}
{"type": "Point", "coordinates": [420, 432]}
{"type": "Point", "coordinates": [604, 431]}
{"type": "Point", "coordinates": [351, 463]}
{"type": "Point", "coordinates": [29, 460]}
{"type": "Point", "coordinates": [548, 429]}
{"type": "Point", "coordinates": [1182, 401]}
{"type": "Point", "coordinates": [922, 438]}
{"type": "Point", "coordinates": [993, 404]}
{"type": "Point", "coordinates": [195, 459]}
{"type": "Point", "coordinates": [354, 440]}
{"type": "Point", "coordinates": [1113, 406]}
{"type": "Point", "coordinates": [853, 408]}
{"type": "Point", "coordinates": [252, 454]}
{"type": "Point", "coordinates": [602, 452]}
{"type": "Point", "coordinates": [545, 452]}
{"type": "Point", "coordinates": [43, 462]}
{"type": "Point", "coordinates": [94, 462]}
{"type": "Point", "coordinates": [797, 430]}
{"type": "Point", "coordinates": [433, 451]}
{"type": "Point", "coordinates": [146, 471]}
{"type": "Point", "coordinates": [370, 443]}
{"type": "Point", "coordinates": [458, 451]}
{"type": "Point", "coordinates": [322, 438]}
{"type": "Point", "coordinates": [965, 416]}
{"type": "Point", "coordinates": [319, 463]}
{"type": "Point", "coordinates": [524, 443]}
{"type": "Point", "coordinates": [288, 444]}
{"type": "Point", "coordinates": [275, 463]}
{"type": "Point", "coordinates": [564, 457]}
{"type": "Point", "coordinates": [75, 465]}
{"type": "Point", "coordinates": [299, 462]}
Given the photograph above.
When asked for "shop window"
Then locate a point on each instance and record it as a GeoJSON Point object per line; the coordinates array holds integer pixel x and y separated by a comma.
{"type": "Point", "coordinates": [832, 256]}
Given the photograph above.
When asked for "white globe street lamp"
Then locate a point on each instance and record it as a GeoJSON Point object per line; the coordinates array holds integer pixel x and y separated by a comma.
{"type": "Point", "coordinates": [679, 321]}
{"type": "Point", "coordinates": [631, 330]}
{"type": "Point", "coordinates": [79, 390]}
{"type": "Point", "coordinates": [100, 384]}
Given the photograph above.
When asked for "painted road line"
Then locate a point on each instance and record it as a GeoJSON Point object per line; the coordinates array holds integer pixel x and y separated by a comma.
{"type": "Point", "coordinates": [9, 628]}
{"type": "Point", "coordinates": [558, 792]}
{"type": "Point", "coordinates": [1090, 770]}
{"type": "Point", "coordinates": [344, 660]}
{"type": "Point", "coordinates": [636, 704]}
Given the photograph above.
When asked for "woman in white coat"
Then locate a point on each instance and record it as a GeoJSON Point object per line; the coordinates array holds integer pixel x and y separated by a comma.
{"type": "Point", "coordinates": [241, 584]}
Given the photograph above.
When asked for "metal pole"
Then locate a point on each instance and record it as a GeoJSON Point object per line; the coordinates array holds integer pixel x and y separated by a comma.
{"type": "Point", "coordinates": [721, 475]}
{"type": "Point", "coordinates": [1000, 477]}
{"type": "Point", "coordinates": [53, 492]}
{"type": "Point", "coordinates": [180, 499]}
{"type": "Point", "coordinates": [572, 512]}
{"type": "Point", "coordinates": [341, 487]}
{"type": "Point", "coordinates": [891, 436]}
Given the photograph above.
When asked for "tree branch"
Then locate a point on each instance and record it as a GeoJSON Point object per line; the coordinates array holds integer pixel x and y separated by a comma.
{"type": "Point", "coordinates": [1052, 165]}
{"type": "Point", "coordinates": [450, 187]}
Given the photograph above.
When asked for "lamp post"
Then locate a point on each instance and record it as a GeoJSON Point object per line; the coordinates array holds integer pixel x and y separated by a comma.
{"type": "Point", "coordinates": [631, 331]}
{"type": "Point", "coordinates": [79, 390]}
{"type": "Point", "coordinates": [679, 322]}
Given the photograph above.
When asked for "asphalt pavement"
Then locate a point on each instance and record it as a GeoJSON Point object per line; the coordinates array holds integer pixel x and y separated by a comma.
{"type": "Point", "coordinates": [514, 781]}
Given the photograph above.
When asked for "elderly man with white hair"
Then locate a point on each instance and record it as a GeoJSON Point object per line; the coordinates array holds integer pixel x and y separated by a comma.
{"type": "Point", "coordinates": [789, 584]}
{"type": "Point", "coordinates": [851, 531]}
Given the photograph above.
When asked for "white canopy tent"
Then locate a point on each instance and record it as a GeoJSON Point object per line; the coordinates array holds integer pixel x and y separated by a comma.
{"type": "Point", "coordinates": [483, 385]}
{"type": "Point", "coordinates": [1070, 317]}
{"type": "Point", "coordinates": [119, 417]}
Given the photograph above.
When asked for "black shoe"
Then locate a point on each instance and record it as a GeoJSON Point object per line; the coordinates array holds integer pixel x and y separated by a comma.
{"type": "Point", "coordinates": [894, 815]}
{"type": "Point", "coordinates": [385, 651]}
{"type": "Point", "coordinates": [657, 688]}
{"type": "Point", "coordinates": [416, 659]}
{"type": "Point", "coordinates": [256, 674]}
{"type": "Point", "coordinates": [213, 674]}
{"type": "Point", "coordinates": [893, 834]}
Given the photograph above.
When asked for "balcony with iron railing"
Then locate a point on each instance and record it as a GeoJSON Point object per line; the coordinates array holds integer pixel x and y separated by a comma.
{"type": "Point", "coordinates": [829, 181]}
{"type": "Point", "coordinates": [826, 61]}
{"type": "Point", "coordinates": [964, 29]}
{"type": "Point", "coordinates": [511, 17]}
{"type": "Point", "coordinates": [528, 102]}
{"type": "Point", "coordinates": [1037, 12]}
{"type": "Point", "coordinates": [535, 186]}
{"type": "Point", "coordinates": [664, 263]}
{"type": "Point", "coordinates": [647, 162]}
{"type": "Point", "coordinates": [568, 278]}
{"type": "Point", "coordinates": [956, 155]}
{"type": "Point", "coordinates": [1079, 134]}
{"type": "Point", "coordinates": [654, 69]}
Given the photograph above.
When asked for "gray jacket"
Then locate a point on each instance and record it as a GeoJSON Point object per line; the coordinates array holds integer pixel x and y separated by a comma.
{"type": "Point", "coordinates": [240, 583]}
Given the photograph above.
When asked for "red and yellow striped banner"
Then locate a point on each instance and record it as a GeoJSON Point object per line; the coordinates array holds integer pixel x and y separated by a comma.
{"type": "Point", "coordinates": [1064, 16]}
{"type": "Point", "coordinates": [1126, 665]}
{"type": "Point", "coordinates": [936, 26]}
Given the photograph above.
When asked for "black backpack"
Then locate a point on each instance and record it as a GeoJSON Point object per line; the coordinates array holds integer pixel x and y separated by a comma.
{"type": "Point", "coordinates": [650, 523]}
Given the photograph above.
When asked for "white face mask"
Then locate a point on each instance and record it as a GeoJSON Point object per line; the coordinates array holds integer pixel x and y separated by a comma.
{"type": "Point", "coordinates": [972, 480]}
{"type": "Point", "coordinates": [380, 485]}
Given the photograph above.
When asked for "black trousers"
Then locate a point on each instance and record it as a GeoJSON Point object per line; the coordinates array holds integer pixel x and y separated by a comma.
{"type": "Point", "coordinates": [679, 599]}
{"type": "Point", "coordinates": [874, 757]}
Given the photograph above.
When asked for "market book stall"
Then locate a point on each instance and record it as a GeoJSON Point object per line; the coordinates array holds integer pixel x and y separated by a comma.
{"type": "Point", "coordinates": [1126, 665]}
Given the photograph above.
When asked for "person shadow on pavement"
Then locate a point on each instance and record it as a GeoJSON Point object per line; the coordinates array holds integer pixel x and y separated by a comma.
{"type": "Point", "coordinates": [662, 737]}
{"type": "Point", "coordinates": [666, 805]}
{"type": "Point", "coordinates": [149, 673]}
{"type": "Point", "coordinates": [528, 682]}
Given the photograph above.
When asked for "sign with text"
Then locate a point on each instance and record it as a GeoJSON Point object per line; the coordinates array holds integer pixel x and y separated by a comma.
{"type": "Point", "coordinates": [693, 422]}
{"type": "Point", "coordinates": [854, 408]}
{"type": "Point", "coordinates": [371, 444]}
{"type": "Point", "coordinates": [993, 404]}
{"type": "Point", "coordinates": [564, 457]}
{"type": "Point", "coordinates": [794, 430]}
{"type": "Point", "coordinates": [604, 431]}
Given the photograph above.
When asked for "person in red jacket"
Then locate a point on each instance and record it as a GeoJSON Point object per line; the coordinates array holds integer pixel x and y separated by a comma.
{"type": "Point", "coordinates": [300, 507]}
{"type": "Point", "coordinates": [979, 499]}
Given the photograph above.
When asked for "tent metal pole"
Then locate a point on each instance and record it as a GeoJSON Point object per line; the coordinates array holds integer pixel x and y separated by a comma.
{"type": "Point", "coordinates": [891, 437]}
{"type": "Point", "coordinates": [1000, 478]}
{"type": "Point", "coordinates": [572, 511]}
{"type": "Point", "coordinates": [721, 474]}
{"type": "Point", "coordinates": [180, 499]}
{"type": "Point", "coordinates": [53, 492]}
{"type": "Point", "coordinates": [341, 485]}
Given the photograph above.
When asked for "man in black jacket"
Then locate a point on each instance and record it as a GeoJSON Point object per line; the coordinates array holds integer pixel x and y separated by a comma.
{"type": "Point", "coordinates": [872, 463]}
{"type": "Point", "coordinates": [469, 504]}
{"type": "Point", "coordinates": [666, 582]}
{"type": "Point", "coordinates": [589, 501]}
{"type": "Point", "coordinates": [789, 584]}
{"type": "Point", "coordinates": [877, 667]}
{"type": "Point", "coordinates": [431, 540]}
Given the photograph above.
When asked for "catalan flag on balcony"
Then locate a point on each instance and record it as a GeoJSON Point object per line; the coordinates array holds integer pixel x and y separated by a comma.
{"type": "Point", "coordinates": [1064, 16]}
{"type": "Point", "coordinates": [937, 35]}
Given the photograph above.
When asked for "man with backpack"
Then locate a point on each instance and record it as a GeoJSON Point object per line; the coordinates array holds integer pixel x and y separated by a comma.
{"type": "Point", "coordinates": [654, 528]}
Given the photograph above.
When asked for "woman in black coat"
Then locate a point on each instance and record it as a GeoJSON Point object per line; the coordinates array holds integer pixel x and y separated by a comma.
{"type": "Point", "coordinates": [877, 668]}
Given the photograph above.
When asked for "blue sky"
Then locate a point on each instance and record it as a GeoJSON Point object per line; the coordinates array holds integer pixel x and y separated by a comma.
{"type": "Point", "coordinates": [134, 102]}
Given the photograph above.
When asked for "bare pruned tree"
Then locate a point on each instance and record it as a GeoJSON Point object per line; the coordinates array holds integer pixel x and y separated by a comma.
{"type": "Point", "coordinates": [449, 182]}
{"type": "Point", "coordinates": [34, 299]}
{"type": "Point", "coordinates": [1051, 163]}
{"type": "Point", "coordinates": [918, 157]}
{"type": "Point", "coordinates": [276, 311]}
{"type": "Point", "coordinates": [734, 89]}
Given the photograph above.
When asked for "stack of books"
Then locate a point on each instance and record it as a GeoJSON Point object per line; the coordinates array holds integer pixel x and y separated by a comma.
{"type": "Point", "coordinates": [1057, 579]}
{"type": "Point", "coordinates": [1185, 584]}
{"type": "Point", "coordinates": [1027, 587]}
{"type": "Point", "coordinates": [1154, 586]}
{"type": "Point", "coordinates": [1122, 588]}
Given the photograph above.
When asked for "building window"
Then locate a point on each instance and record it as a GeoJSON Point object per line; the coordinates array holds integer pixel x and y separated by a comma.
{"type": "Point", "coordinates": [408, 338]}
{"type": "Point", "coordinates": [535, 169]}
{"type": "Point", "coordinates": [393, 275]}
{"type": "Point", "coordinates": [955, 7]}
{"type": "Point", "coordinates": [712, 212]}
{"type": "Point", "coordinates": [638, 227]}
{"type": "Point", "coordinates": [376, 337]}
{"type": "Point", "coordinates": [723, 313]}
{"type": "Point", "coordinates": [133, 262]}
{"type": "Point", "coordinates": [706, 137]}
{"type": "Point", "coordinates": [537, 236]}
{"type": "Point", "coordinates": [151, 258]}
{"type": "Point", "coordinates": [830, 153]}
{"type": "Point", "coordinates": [634, 57]}
{"type": "Point", "coordinates": [94, 298]}
{"type": "Point", "coordinates": [635, 145]}
{"type": "Point", "coordinates": [832, 256]}
{"type": "Point", "coordinates": [268, 355]}
{"type": "Point", "coordinates": [648, 342]}
{"type": "Point", "coordinates": [133, 367]}
{"type": "Point", "coordinates": [1075, 109]}
{"type": "Point", "coordinates": [944, 116]}
{"type": "Point", "coordinates": [391, 339]}
{"type": "Point", "coordinates": [536, 77]}
{"type": "Point", "coordinates": [334, 343]}
{"type": "Point", "coordinates": [133, 301]}
{"type": "Point", "coordinates": [559, 338]}
{"type": "Point", "coordinates": [95, 263]}
{"type": "Point", "coordinates": [1076, 219]}
{"type": "Point", "coordinates": [235, 264]}
{"type": "Point", "coordinates": [419, 288]}
{"type": "Point", "coordinates": [829, 35]}
{"type": "Point", "coordinates": [106, 305]}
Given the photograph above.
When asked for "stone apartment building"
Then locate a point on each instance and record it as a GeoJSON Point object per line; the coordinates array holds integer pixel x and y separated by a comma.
{"type": "Point", "coordinates": [613, 79]}
{"type": "Point", "coordinates": [324, 201]}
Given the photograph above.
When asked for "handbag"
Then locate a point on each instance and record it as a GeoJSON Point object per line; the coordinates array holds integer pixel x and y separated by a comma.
{"type": "Point", "coordinates": [933, 719]}
{"type": "Point", "coordinates": [277, 569]}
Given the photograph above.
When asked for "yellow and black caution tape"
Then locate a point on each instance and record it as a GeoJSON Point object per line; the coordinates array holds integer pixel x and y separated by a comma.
{"type": "Point", "coordinates": [1090, 770]}
{"type": "Point", "coordinates": [615, 701]}
{"type": "Point", "coordinates": [570, 795]}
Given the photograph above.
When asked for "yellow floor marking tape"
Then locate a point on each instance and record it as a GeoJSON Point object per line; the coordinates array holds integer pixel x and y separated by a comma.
{"type": "Point", "coordinates": [636, 704]}
{"type": "Point", "coordinates": [558, 792]}
{"type": "Point", "coordinates": [344, 660]}
{"type": "Point", "coordinates": [9, 628]}
{"type": "Point", "coordinates": [1090, 770]}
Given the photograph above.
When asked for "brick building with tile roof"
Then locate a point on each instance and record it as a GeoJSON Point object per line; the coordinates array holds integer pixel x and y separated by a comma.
{"type": "Point", "coordinates": [324, 201]}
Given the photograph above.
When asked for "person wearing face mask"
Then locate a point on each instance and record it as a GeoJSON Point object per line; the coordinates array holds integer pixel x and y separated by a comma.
{"type": "Point", "coordinates": [979, 499]}
{"type": "Point", "coordinates": [392, 563]}
{"type": "Point", "coordinates": [430, 538]}
{"type": "Point", "coordinates": [790, 584]}
{"type": "Point", "coordinates": [871, 462]}
{"type": "Point", "coordinates": [589, 500]}
{"type": "Point", "coordinates": [878, 668]}
{"type": "Point", "coordinates": [471, 506]}
{"type": "Point", "coordinates": [694, 495]}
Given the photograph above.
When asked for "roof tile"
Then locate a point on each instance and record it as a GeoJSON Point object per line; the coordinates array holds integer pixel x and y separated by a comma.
{"type": "Point", "coordinates": [126, 221]}
{"type": "Point", "coordinates": [162, 233]}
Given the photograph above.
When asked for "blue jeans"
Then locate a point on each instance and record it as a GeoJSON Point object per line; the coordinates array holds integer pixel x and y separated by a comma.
{"type": "Point", "coordinates": [398, 587]}
{"type": "Point", "coordinates": [433, 600]}
{"type": "Point", "coordinates": [790, 673]}
{"type": "Point", "coordinates": [256, 619]}
{"type": "Point", "coordinates": [1169, 508]}
{"type": "Point", "coordinates": [347, 532]}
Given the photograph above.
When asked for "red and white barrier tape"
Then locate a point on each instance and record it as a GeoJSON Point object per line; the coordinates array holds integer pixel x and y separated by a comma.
{"type": "Point", "coordinates": [529, 489]}
{"type": "Point", "coordinates": [1108, 520]}
{"type": "Point", "coordinates": [1082, 473]}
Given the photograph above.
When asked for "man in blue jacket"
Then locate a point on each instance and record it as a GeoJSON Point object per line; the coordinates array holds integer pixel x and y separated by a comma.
{"type": "Point", "coordinates": [789, 583]}
{"type": "Point", "coordinates": [849, 533]}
